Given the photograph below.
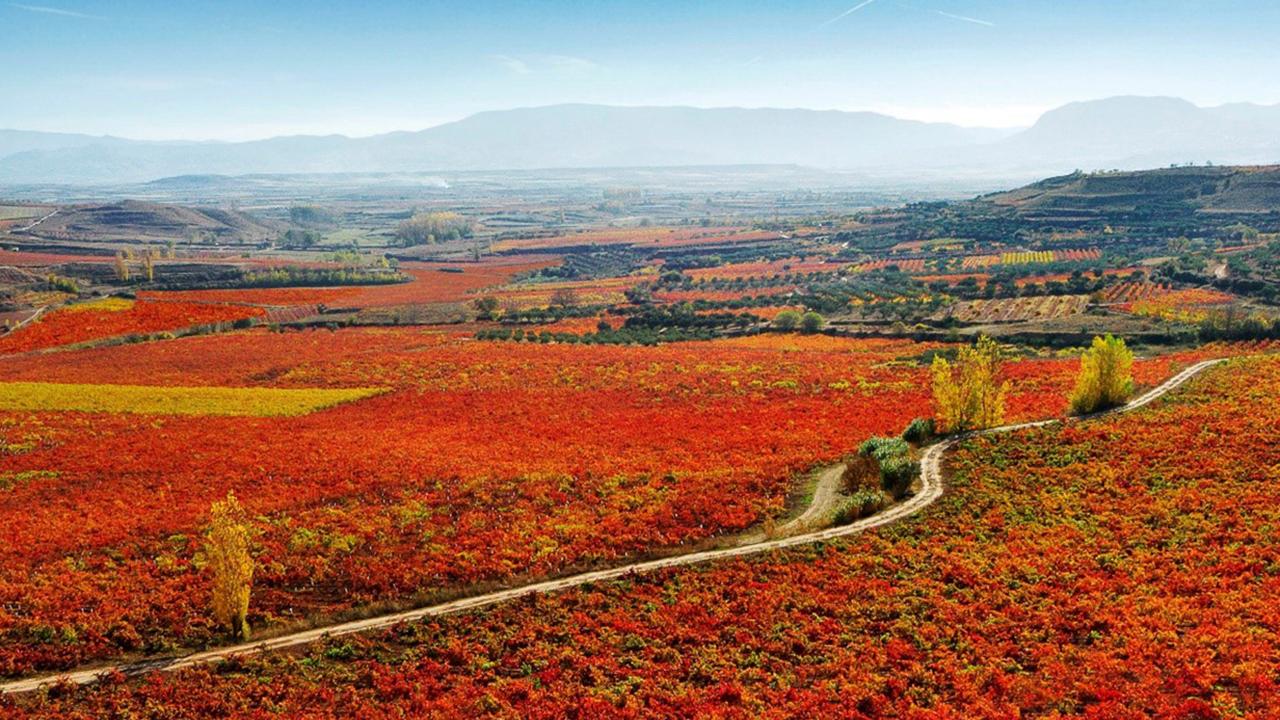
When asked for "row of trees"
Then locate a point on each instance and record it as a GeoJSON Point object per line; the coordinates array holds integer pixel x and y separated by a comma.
{"type": "Point", "coordinates": [433, 227]}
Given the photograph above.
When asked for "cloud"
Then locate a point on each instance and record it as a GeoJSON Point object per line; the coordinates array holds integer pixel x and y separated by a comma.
{"type": "Point", "coordinates": [515, 65]}
{"type": "Point", "coordinates": [569, 62]}
{"type": "Point", "coordinates": [529, 64]}
{"type": "Point", "coordinates": [963, 18]}
{"type": "Point", "coordinates": [54, 11]}
{"type": "Point", "coordinates": [847, 13]}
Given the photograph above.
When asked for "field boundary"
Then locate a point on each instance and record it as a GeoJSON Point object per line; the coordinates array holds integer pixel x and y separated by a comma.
{"type": "Point", "coordinates": [932, 488]}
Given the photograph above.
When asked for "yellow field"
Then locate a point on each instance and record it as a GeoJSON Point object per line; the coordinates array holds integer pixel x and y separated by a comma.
{"type": "Point", "coordinates": [155, 400]}
{"type": "Point", "coordinates": [1024, 258]}
{"type": "Point", "coordinates": [106, 304]}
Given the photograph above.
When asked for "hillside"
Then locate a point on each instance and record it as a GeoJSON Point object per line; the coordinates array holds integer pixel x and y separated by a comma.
{"type": "Point", "coordinates": [1250, 189]}
{"type": "Point", "coordinates": [136, 221]}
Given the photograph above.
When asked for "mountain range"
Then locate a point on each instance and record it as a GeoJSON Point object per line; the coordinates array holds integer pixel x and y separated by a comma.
{"type": "Point", "coordinates": [1121, 133]}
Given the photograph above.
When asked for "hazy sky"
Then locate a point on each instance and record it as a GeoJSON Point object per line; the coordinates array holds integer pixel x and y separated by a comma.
{"type": "Point", "coordinates": [238, 70]}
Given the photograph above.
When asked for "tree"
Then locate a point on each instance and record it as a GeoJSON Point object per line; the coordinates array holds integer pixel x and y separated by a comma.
{"type": "Point", "coordinates": [811, 322]}
{"type": "Point", "coordinates": [968, 394]}
{"type": "Point", "coordinates": [122, 267]}
{"type": "Point", "coordinates": [227, 550]}
{"type": "Point", "coordinates": [149, 264]}
{"type": "Point", "coordinates": [786, 320]}
{"type": "Point", "coordinates": [1106, 376]}
{"type": "Point", "coordinates": [564, 298]}
{"type": "Point", "coordinates": [295, 238]}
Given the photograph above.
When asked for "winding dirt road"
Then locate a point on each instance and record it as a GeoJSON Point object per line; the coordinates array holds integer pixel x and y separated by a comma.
{"type": "Point", "coordinates": [931, 489]}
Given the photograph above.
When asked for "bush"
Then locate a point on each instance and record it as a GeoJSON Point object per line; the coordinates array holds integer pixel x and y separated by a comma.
{"type": "Point", "coordinates": [812, 322]}
{"type": "Point", "coordinates": [860, 473]}
{"type": "Point", "coordinates": [786, 320]}
{"type": "Point", "coordinates": [859, 505]}
{"type": "Point", "coordinates": [892, 457]}
{"type": "Point", "coordinates": [918, 431]}
{"type": "Point", "coordinates": [896, 475]}
{"type": "Point", "coordinates": [883, 448]}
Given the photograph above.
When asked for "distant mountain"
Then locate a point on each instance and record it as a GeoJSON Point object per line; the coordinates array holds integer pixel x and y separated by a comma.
{"type": "Point", "coordinates": [561, 136]}
{"type": "Point", "coordinates": [17, 141]}
{"type": "Point", "coordinates": [1132, 132]}
{"type": "Point", "coordinates": [1124, 132]}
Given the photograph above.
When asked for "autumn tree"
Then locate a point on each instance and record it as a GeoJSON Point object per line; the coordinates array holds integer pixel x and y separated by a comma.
{"type": "Point", "coordinates": [227, 551]}
{"type": "Point", "coordinates": [1106, 376]}
{"type": "Point", "coordinates": [968, 393]}
{"type": "Point", "coordinates": [122, 267]}
{"type": "Point", "coordinates": [149, 265]}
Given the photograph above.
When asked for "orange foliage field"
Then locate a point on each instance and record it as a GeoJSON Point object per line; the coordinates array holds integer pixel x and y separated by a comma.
{"type": "Point", "coordinates": [1116, 568]}
{"type": "Point", "coordinates": [483, 461]}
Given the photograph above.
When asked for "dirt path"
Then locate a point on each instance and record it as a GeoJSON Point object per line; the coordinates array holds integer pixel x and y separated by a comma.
{"type": "Point", "coordinates": [826, 495]}
{"type": "Point", "coordinates": [931, 489]}
{"type": "Point", "coordinates": [28, 228]}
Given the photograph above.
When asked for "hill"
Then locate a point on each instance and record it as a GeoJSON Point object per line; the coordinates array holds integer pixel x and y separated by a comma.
{"type": "Point", "coordinates": [136, 221]}
{"type": "Point", "coordinates": [1251, 189]}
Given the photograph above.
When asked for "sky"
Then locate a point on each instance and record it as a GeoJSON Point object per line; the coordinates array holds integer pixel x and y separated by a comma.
{"type": "Point", "coordinates": [237, 70]}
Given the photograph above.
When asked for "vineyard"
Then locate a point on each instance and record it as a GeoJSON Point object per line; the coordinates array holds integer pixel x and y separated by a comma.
{"type": "Point", "coordinates": [1044, 307]}
{"type": "Point", "coordinates": [1191, 305]}
{"type": "Point", "coordinates": [544, 456]}
{"type": "Point", "coordinates": [916, 265]}
{"type": "Point", "coordinates": [1064, 573]}
{"type": "Point", "coordinates": [1131, 291]}
{"type": "Point", "coordinates": [113, 319]}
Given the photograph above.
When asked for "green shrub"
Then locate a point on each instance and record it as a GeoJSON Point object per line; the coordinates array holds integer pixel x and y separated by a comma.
{"type": "Point", "coordinates": [859, 505]}
{"type": "Point", "coordinates": [883, 448]}
{"type": "Point", "coordinates": [811, 322]}
{"type": "Point", "coordinates": [918, 431]}
{"type": "Point", "coordinates": [893, 459]}
{"type": "Point", "coordinates": [786, 320]}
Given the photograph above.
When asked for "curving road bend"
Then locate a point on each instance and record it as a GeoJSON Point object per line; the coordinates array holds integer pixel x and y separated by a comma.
{"type": "Point", "coordinates": [931, 489]}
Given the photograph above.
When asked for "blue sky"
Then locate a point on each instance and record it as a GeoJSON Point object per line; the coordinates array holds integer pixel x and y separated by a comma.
{"type": "Point", "coordinates": [238, 70]}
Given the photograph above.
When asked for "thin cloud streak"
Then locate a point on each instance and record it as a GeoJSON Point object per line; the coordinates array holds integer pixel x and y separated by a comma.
{"type": "Point", "coordinates": [515, 65]}
{"type": "Point", "coordinates": [846, 13]}
{"type": "Point", "coordinates": [964, 18]}
{"type": "Point", "coordinates": [43, 9]}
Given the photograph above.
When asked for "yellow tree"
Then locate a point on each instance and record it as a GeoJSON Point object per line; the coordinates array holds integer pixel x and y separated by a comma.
{"type": "Point", "coordinates": [122, 267]}
{"type": "Point", "coordinates": [227, 550]}
{"type": "Point", "coordinates": [968, 394]}
{"type": "Point", "coordinates": [149, 264]}
{"type": "Point", "coordinates": [1106, 376]}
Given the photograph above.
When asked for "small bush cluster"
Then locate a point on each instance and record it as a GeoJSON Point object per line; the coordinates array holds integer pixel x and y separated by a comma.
{"type": "Point", "coordinates": [893, 459]}
{"type": "Point", "coordinates": [862, 503]}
